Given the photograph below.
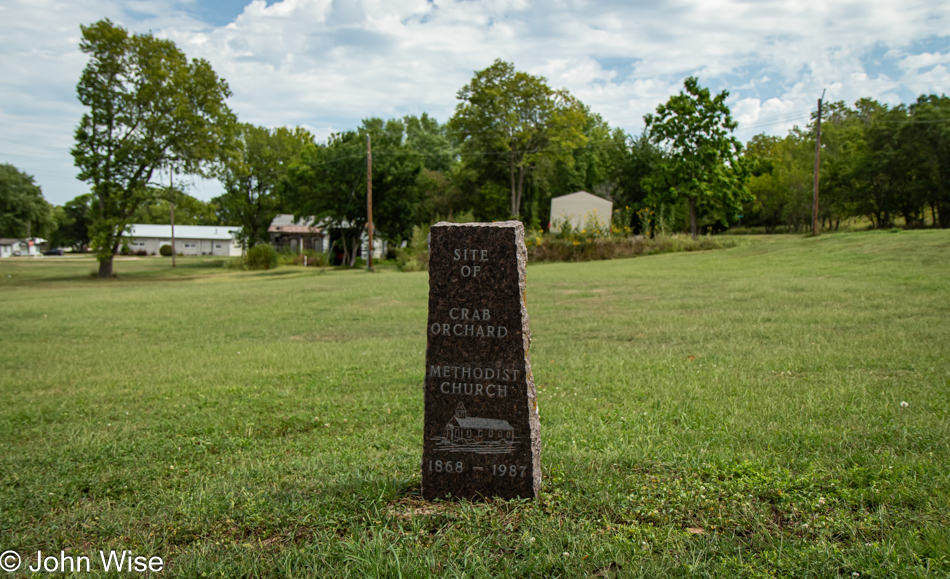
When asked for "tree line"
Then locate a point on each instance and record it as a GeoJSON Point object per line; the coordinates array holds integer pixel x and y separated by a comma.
{"type": "Point", "coordinates": [877, 162]}
{"type": "Point", "coordinates": [513, 143]}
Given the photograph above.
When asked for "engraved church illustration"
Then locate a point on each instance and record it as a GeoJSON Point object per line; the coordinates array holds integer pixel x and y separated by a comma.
{"type": "Point", "coordinates": [464, 433]}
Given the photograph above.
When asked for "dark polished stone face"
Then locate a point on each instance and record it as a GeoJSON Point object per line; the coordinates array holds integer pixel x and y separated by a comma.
{"type": "Point", "coordinates": [481, 435]}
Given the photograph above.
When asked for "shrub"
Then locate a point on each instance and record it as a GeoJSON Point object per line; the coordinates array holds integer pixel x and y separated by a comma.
{"type": "Point", "coordinates": [141, 252]}
{"type": "Point", "coordinates": [415, 256]}
{"type": "Point", "coordinates": [559, 249]}
{"type": "Point", "coordinates": [165, 250]}
{"type": "Point", "coordinates": [285, 256]}
{"type": "Point", "coordinates": [261, 256]}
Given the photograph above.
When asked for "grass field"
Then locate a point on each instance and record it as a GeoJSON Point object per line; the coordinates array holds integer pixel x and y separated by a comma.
{"type": "Point", "coordinates": [776, 409]}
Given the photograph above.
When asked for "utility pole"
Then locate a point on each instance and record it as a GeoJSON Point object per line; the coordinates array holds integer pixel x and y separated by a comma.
{"type": "Point", "coordinates": [171, 187]}
{"type": "Point", "coordinates": [369, 200]}
{"type": "Point", "coordinates": [814, 209]}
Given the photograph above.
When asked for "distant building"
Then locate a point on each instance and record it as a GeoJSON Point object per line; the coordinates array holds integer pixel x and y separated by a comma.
{"type": "Point", "coordinates": [10, 247]}
{"type": "Point", "coordinates": [306, 233]}
{"type": "Point", "coordinates": [189, 239]}
{"type": "Point", "coordinates": [577, 208]}
{"type": "Point", "coordinates": [298, 234]}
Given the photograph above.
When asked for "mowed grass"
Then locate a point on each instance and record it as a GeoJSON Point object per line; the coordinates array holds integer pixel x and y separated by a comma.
{"type": "Point", "coordinates": [733, 413]}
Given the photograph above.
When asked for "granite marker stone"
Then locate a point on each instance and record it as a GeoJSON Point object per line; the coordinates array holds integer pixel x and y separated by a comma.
{"type": "Point", "coordinates": [481, 434]}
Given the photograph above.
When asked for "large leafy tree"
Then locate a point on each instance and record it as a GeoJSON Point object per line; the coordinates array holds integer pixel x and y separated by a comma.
{"type": "Point", "coordinates": [256, 161]}
{"type": "Point", "coordinates": [514, 119]}
{"type": "Point", "coordinates": [703, 163]}
{"type": "Point", "coordinates": [149, 108]}
{"type": "Point", "coordinates": [23, 211]}
{"type": "Point", "coordinates": [330, 183]}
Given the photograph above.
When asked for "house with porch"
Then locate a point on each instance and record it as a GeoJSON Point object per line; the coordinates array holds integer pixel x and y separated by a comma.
{"type": "Point", "coordinates": [298, 235]}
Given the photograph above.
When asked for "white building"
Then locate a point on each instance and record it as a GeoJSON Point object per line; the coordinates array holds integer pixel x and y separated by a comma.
{"type": "Point", "coordinates": [577, 208]}
{"type": "Point", "coordinates": [189, 239]}
{"type": "Point", "coordinates": [10, 247]}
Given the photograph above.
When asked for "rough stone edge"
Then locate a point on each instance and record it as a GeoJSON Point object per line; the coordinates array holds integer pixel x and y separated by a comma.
{"type": "Point", "coordinates": [534, 417]}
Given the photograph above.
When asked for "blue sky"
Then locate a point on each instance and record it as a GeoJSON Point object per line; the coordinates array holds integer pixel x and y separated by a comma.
{"type": "Point", "coordinates": [327, 64]}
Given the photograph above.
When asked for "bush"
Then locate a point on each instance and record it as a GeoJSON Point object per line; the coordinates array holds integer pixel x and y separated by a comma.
{"type": "Point", "coordinates": [415, 256]}
{"type": "Point", "coordinates": [165, 250]}
{"type": "Point", "coordinates": [261, 256]}
{"type": "Point", "coordinates": [141, 252]}
{"type": "Point", "coordinates": [559, 249]}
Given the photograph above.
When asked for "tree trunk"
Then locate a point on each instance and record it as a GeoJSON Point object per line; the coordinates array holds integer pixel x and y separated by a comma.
{"type": "Point", "coordinates": [521, 172]}
{"type": "Point", "coordinates": [356, 248]}
{"type": "Point", "coordinates": [346, 249]}
{"type": "Point", "coordinates": [691, 201]}
{"type": "Point", "coordinates": [941, 214]}
{"type": "Point", "coordinates": [105, 267]}
{"type": "Point", "coordinates": [511, 175]}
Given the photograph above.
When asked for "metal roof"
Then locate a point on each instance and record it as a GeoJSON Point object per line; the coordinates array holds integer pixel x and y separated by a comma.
{"type": "Point", "coordinates": [285, 223]}
{"type": "Point", "coordinates": [216, 232]}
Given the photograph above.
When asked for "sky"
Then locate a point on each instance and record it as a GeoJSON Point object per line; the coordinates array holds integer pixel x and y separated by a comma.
{"type": "Point", "coordinates": [328, 64]}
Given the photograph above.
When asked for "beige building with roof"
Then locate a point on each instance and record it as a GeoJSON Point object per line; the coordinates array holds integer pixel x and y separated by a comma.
{"type": "Point", "coordinates": [577, 208]}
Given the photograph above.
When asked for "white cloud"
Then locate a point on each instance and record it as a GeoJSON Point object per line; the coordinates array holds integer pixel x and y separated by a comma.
{"type": "Point", "coordinates": [326, 64]}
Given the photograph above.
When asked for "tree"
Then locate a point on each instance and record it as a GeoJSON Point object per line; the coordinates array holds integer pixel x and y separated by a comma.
{"type": "Point", "coordinates": [425, 137]}
{"type": "Point", "coordinates": [871, 163]}
{"type": "Point", "coordinates": [703, 163]}
{"type": "Point", "coordinates": [256, 161]}
{"type": "Point", "coordinates": [930, 132]}
{"type": "Point", "coordinates": [73, 221]}
{"type": "Point", "coordinates": [515, 119]}
{"type": "Point", "coordinates": [23, 211]}
{"type": "Point", "coordinates": [188, 210]}
{"type": "Point", "coordinates": [591, 168]}
{"type": "Point", "coordinates": [781, 180]}
{"type": "Point", "coordinates": [635, 161]}
{"type": "Point", "coordinates": [149, 109]}
{"type": "Point", "coordinates": [330, 183]}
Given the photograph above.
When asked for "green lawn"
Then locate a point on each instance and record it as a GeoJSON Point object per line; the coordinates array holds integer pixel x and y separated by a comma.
{"type": "Point", "coordinates": [729, 413]}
